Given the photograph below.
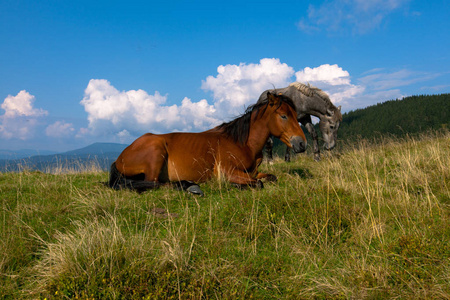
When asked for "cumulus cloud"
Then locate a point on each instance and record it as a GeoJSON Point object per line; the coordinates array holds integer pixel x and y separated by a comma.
{"type": "Point", "coordinates": [237, 86]}
{"type": "Point", "coordinates": [361, 16]}
{"type": "Point", "coordinates": [334, 80]}
{"type": "Point", "coordinates": [60, 129]}
{"type": "Point", "coordinates": [21, 105]}
{"type": "Point", "coordinates": [131, 113]}
{"type": "Point", "coordinates": [20, 118]}
{"type": "Point", "coordinates": [116, 115]}
{"type": "Point", "coordinates": [329, 74]}
{"type": "Point", "coordinates": [201, 114]}
{"type": "Point", "coordinates": [126, 114]}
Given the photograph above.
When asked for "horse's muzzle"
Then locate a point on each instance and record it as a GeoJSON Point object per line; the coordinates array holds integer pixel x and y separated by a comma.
{"type": "Point", "coordinates": [298, 144]}
{"type": "Point", "coordinates": [329, 146]}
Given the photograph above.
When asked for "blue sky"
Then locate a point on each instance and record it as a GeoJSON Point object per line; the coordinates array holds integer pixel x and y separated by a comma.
{"type": "Point", "coordinates": [77, 72]}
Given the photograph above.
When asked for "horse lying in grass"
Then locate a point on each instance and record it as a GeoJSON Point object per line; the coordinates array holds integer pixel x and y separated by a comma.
{"type": "Point", "coordinates": [233, 149]}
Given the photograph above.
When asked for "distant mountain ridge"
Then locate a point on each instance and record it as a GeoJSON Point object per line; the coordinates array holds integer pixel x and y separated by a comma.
{"type": "Point", "coordinates": [100, 154]}
{"type": "Point", "coordinates": [22, 153]}
{"type": "Point", "coordinates": [97, 149]}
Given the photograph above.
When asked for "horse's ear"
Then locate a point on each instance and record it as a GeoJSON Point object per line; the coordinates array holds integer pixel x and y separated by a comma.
{"type": "Point", "coordinates": [272, 98]}
{"type": "Point", "coordinates": [339, 108]}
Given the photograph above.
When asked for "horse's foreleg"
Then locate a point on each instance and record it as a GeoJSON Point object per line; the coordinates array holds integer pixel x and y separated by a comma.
{"type": "Point", "coordinates": [267, 177]}
{"type": "Point", "coordinates": [287, 155]}
{"type": "Point", "coordinates": [269, 149]}
{"type": "Point", "coordinates": [241, 179]}
{"type": "Point", "coordinates": [312, 132]}
{"type": "Point", "coordinates": [258, 175]}
{"type": "Point", "coordinates": [315, 138]}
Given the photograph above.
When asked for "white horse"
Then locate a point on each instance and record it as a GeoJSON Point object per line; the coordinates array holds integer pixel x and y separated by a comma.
{"type": "Point", "coordinates": [310, 101]}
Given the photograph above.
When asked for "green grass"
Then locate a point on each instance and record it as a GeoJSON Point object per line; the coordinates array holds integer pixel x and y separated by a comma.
{"type": "Point", "coordinates": [366, 222]}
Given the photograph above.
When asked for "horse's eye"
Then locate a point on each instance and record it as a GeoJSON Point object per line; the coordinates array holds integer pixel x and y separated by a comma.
{"type": "Point", "coordinates": [284, 117]}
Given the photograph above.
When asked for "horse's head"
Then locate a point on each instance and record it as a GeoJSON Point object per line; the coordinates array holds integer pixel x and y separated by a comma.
{"type": "Point", "coordinates": [329, 125]}
{"type": "Point", "coordinates": [282, 122]}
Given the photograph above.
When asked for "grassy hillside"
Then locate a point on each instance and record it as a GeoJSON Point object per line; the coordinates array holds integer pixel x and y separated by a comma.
{"type": "Point", "coordinates": [368, 222]}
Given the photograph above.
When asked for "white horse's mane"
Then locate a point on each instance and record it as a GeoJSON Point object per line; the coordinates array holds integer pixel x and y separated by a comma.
{"type": "Point", "coordinates": [309, 90]}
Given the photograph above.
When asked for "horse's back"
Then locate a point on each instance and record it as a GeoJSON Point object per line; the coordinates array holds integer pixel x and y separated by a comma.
{"type": "Point", "coordinates": [193, 156]}
{"type": "Point", "coordinates": [179, 155]}
{"type": "Point", "coordinates": [198, 156]}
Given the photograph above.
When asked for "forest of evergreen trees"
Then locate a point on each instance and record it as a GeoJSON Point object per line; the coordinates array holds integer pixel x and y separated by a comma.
{"type": "Point", "coordinates": [409, 115]}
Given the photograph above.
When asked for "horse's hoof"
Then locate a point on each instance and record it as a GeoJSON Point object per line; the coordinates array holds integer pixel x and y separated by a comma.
{"type": "Point", "coordinates": [271, 178]}
{"type": "Point", "coordinates": [195, 189]}
{"type": "Point", "coordinates": [259, 184]}
{"type": "Point", "coordinates": [317, 157]}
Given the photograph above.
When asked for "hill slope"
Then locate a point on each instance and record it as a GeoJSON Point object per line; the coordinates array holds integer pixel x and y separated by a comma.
{"type": "Point", "coordinates": [97, 149]}
{"type": "Point", "coordinates": [397, 117]}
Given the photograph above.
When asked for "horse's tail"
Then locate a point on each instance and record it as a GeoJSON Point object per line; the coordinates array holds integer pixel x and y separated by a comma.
{"type": "Point", "coordinates": [118, 181]}
{"type": "Point", "coordinates": [115, 178]}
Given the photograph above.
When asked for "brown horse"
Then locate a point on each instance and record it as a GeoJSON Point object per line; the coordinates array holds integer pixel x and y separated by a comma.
{"type": "Point", "coordinates": [232, 150]}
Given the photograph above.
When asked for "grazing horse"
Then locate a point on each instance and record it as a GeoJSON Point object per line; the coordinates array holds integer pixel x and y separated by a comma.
{"type": "Point", "coordinates": [232, 150]}
{"type": "Point", "coordinates": [309, 101]}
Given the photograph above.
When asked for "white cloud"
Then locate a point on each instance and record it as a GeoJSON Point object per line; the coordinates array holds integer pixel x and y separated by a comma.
{"type": "Point", "coordinates": [115, 115]}
{"type": "Point", "coordinates": [376, 85]}
{"type": "Point", "coordinates": [127, 114]}
{"type": "Point", "coordinates": [329, 74]}
{"type": "Point", "coordinates": [361, 16]}
{"type": "Point", "coordinates": [21, 105]}
{"type": "Point", "coordinates": [334, 80]}
{"type": "Point", "coordinates": [20, 118]}
{"type": "Point", "coordinates": [132, 113]}
{"type": "Point", "coordinates": [124, 136]}
{"type": "Point", "coordinates": [384, 80]}
{"type": "Point", "coordinates": [60, 129]}
{"type": "Point", "coordinates": [201, 113]}
{"type": "Point", "coordinates": [237, 86]}
{"type": "Point", "coordinates": [382, 85]}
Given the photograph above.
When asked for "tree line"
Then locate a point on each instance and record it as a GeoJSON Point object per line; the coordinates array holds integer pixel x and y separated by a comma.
{"type": "Point", "coordinates": [410, 115]}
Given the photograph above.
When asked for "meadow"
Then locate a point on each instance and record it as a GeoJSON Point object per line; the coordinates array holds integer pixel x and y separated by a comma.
{"type": "Point", "coordinates": [369, 221]}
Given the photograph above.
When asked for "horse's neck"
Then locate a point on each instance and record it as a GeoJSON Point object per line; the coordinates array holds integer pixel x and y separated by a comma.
{"type": "Point", "coordinates": [314, 106]}
{"type": "Point", "coordinates": [258, 135]}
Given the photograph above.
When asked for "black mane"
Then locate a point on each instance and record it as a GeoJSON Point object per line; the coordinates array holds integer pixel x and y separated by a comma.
{"type": "Point", "coordinates": [239, 128]}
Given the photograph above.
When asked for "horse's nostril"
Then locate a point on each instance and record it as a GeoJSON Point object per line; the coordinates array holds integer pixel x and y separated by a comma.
{"type": "Point", "coordinates": [298, 144]}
